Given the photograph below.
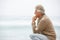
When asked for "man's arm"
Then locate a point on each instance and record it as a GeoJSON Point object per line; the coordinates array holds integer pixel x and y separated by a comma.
{"type": "Point", "coordinates": [34, 27]}
{"type": "Point", "coordinates": [39, 27]}
{"type": "Point", "coordinates": [33, 24]}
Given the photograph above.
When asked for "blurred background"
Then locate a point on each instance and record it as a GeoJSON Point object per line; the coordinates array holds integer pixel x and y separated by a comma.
{"type": "Point", "coordinates": [16, 15]}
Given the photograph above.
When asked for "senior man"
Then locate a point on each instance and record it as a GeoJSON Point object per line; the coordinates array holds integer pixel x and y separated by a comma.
{"type": "Point", "coordinates": [44, 29]}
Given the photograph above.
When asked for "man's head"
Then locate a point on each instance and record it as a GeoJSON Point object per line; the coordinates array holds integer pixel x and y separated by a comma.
{"type": "Point", "coordinates": [39, 11]}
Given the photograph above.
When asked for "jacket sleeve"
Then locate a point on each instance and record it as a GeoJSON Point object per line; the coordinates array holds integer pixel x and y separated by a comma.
{"type": "Point", "coordinates": [34, 28]}
{"type": "Point", "coordinates": [40, 27]}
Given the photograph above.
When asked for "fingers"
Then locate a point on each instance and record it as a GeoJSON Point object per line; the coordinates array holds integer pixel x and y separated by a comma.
{"type": "Point", "coordinates": [34, 18]}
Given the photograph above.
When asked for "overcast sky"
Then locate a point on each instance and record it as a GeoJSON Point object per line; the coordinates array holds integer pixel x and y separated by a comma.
{"type": "Point", "coordinates": [26, 7]}
{"type": "Point", "coordinates": [17, 8]}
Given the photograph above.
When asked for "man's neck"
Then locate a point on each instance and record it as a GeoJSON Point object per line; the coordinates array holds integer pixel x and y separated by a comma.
{"type": "Point", "coordinates": [40, 17]}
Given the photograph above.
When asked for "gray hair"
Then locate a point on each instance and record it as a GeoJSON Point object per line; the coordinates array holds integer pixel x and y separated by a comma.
{"type": "Point", "coordinates": [40, 8]}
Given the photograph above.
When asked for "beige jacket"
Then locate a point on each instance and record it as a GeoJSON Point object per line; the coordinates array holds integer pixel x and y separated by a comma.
{"type": "Point", "coordinates": [45, 27]}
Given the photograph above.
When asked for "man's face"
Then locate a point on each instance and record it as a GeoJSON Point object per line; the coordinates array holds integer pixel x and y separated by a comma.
{"type": "Point", "coordinates": [37, 14]}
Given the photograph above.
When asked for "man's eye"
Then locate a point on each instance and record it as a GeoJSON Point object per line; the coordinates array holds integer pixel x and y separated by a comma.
{"type": "Point", "coordinates": [38, 10]}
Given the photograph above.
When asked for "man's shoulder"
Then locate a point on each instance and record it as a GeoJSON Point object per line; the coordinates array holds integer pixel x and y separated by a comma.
{"type": "Point", "coordinates": [44, 18]}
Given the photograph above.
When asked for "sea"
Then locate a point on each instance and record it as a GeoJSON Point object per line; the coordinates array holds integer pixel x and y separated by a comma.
{"type": "Point", "coordinates": [18, 29]}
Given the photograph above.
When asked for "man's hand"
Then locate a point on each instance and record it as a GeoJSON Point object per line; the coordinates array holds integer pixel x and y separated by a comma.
{"type": "Point", "coordinates": [33, 19]}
